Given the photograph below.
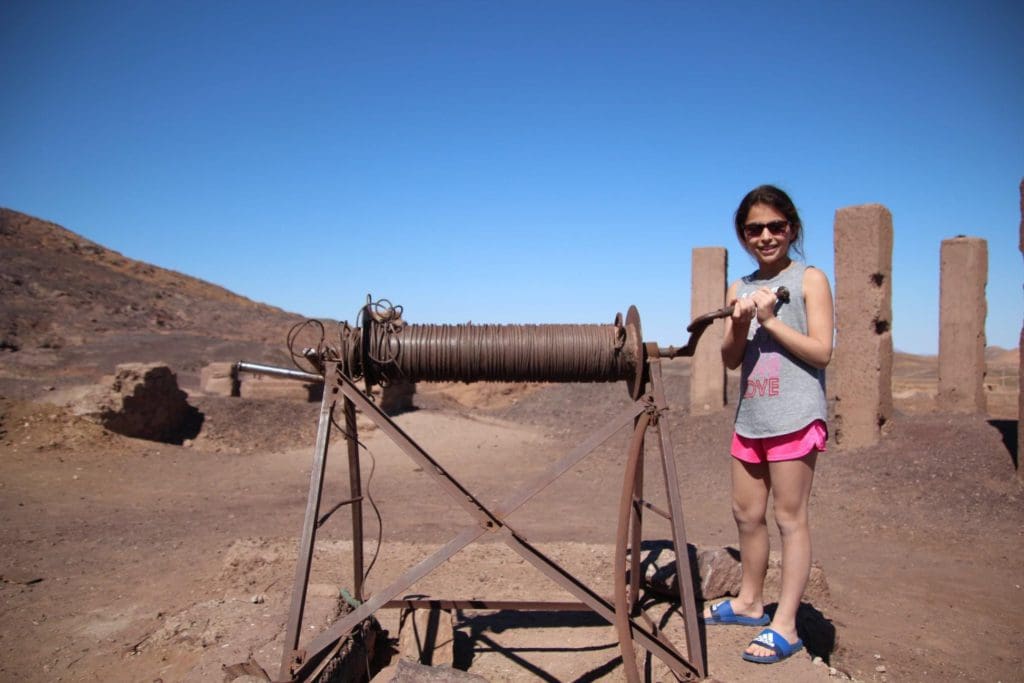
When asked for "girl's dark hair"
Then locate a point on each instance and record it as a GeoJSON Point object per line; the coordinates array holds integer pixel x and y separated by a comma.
{"type": "Point", "coordinates": [769, 195]}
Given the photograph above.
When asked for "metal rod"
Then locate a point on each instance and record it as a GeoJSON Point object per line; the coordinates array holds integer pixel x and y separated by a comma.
{"type": "Point", "coordinates": [636, 535]}
{"type": "Point", "coordinates": [489, 605]}
{"type": "Point", "coordinates": [622, 538]}
{"type": "Point", "coordinates": [610, 428]}
{"type": "Point", "coordinates": [653, 508]}
{"type": "Point", "coordinates": [308, 538]}
{"type": "Point", "coordinates": [431, 467]}
{"type": "Point", "coordinates": [355, 483]}
{"type": "Point", "coordinates": [274, 371]}
{"type": "Point", "coordinates": [696, 648]}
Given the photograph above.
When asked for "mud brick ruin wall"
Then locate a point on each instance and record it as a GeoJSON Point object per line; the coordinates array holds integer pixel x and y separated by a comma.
{"type": "Point", "coordinates": [962, 310]}
{"type": "Point", "coordinates": [860, 377]}
{"type": "Point", "coordinates": [707, 293]}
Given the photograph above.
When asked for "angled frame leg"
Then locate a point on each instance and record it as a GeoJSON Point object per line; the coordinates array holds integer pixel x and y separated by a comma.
{"type": "Point", "coordinates": [636, 535]}
{"type": "Point", "coordinates": [628, 535]}
{"type": "Point", "coordinates": [355, 483]}
{"type": "Point", "coordinates": [696, 647]}
{"type": "Point", "coordinates": [308, 538]}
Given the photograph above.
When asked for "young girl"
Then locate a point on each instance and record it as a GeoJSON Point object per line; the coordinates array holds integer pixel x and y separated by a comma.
{"type": "Point", "coordinates": [780, 420]}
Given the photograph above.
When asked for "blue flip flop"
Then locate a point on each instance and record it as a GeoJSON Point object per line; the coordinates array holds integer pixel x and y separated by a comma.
{"type": "Point", "coordinates": [722, 614]}
{"type": "Point", "coordinates": [780, 647]}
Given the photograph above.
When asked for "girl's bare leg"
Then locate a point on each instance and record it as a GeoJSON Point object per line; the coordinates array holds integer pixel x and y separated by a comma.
{"type": "Point", "coordinates": [791, 492]}
{"type": "Point", "coordinates": [750, 486]}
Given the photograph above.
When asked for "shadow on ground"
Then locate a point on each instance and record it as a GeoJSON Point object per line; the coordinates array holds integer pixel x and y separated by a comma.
{"type": "Point", "coordinates": [471, 638]}
{"type": "Point", "coordinates": [1008, 430]}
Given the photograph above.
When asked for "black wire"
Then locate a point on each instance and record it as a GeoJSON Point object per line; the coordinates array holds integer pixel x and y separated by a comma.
{"type": "Point", "coordinates": [369, 496]}
{"type": "Point", "coordinates": [292, 338]}
{"type": "Point", "coordinates": [376, 512]}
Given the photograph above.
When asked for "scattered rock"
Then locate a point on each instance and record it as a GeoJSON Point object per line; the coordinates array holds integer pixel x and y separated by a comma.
{"type": "Point", "coordinates": [245, 671]}
{"type": "Point", "coordinates": [720, 572]}
{"type": "Point", "coordinates": [427, 636]}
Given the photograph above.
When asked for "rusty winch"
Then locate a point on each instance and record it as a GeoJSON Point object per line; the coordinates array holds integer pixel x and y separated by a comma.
{"type": "Point", "coordinates": [382, 349]}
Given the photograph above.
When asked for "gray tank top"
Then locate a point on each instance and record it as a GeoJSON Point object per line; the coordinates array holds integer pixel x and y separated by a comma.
{"type": "Point", "coordinates": [779, 393]}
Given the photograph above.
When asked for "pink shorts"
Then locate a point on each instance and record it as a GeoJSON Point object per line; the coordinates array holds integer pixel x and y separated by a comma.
{"type": "Point", "coordinates": [783, 447]}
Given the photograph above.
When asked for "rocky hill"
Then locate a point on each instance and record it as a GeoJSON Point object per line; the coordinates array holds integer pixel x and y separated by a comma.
{"type": "Point", "coordinates": [71, 309]}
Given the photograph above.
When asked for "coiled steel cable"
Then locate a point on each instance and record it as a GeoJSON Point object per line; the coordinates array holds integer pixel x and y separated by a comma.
{"type": "Point", "coordinates": [503, 353]}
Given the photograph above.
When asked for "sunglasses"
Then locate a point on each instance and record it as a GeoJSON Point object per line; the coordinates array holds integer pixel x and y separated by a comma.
{"type": "Point", "coordinates": [776, 228]}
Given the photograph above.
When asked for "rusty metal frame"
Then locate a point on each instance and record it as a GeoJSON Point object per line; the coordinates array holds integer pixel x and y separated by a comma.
{"type": "Point", "coordinates": [623, 612]}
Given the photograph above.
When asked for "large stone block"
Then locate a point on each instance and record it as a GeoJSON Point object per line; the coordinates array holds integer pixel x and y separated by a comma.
{"type": "Point", "coordinates": [860, 375]}
{"type": "Point", "coordinates": [962, 312]}
{"type": "Point", "coordinates": [707, 292]}
{"type": "Point", "coordinates": [141, 400]}
{"type": "Point", "coordinates": [265, 386]}
{"type": "Point", "coordinates": [219, 379]}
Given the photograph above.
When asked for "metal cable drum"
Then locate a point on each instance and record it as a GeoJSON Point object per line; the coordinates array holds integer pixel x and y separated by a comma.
{"type": "Point", "coordinates": [506, 353]}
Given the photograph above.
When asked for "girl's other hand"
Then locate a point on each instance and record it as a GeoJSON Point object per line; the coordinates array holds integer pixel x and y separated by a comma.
{"type": "Point", "coordinates": [743, 310]}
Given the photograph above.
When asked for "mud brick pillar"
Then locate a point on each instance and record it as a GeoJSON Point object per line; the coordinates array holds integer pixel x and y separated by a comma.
{"type": "Point", "coordinates": [860, 375]}
{"type": "Point", "coordinates": [962, 311]}
{"type": "Point", "coordinates": [1020, 350]}
{"type": "Point", "coordinates": [707, 293]}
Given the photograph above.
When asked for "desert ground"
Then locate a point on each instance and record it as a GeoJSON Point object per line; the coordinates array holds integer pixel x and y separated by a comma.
{"type": "Point", "coordinates": [133, 560]}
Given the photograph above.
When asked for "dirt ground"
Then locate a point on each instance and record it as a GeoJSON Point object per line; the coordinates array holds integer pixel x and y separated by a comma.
{"type": "Point", "coordinates": [131, 560]}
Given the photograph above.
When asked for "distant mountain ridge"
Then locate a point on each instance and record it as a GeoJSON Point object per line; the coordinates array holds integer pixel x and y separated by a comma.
{"type": "Point", "coordinates": [61, 290]}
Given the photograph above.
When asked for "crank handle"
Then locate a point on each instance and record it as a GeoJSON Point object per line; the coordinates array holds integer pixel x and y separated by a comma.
{"type": "Point", "coordinates": [701, 323]}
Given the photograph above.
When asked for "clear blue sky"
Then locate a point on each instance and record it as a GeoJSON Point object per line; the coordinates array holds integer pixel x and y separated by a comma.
{"type": "Point", "coordinates": [514, 161]}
